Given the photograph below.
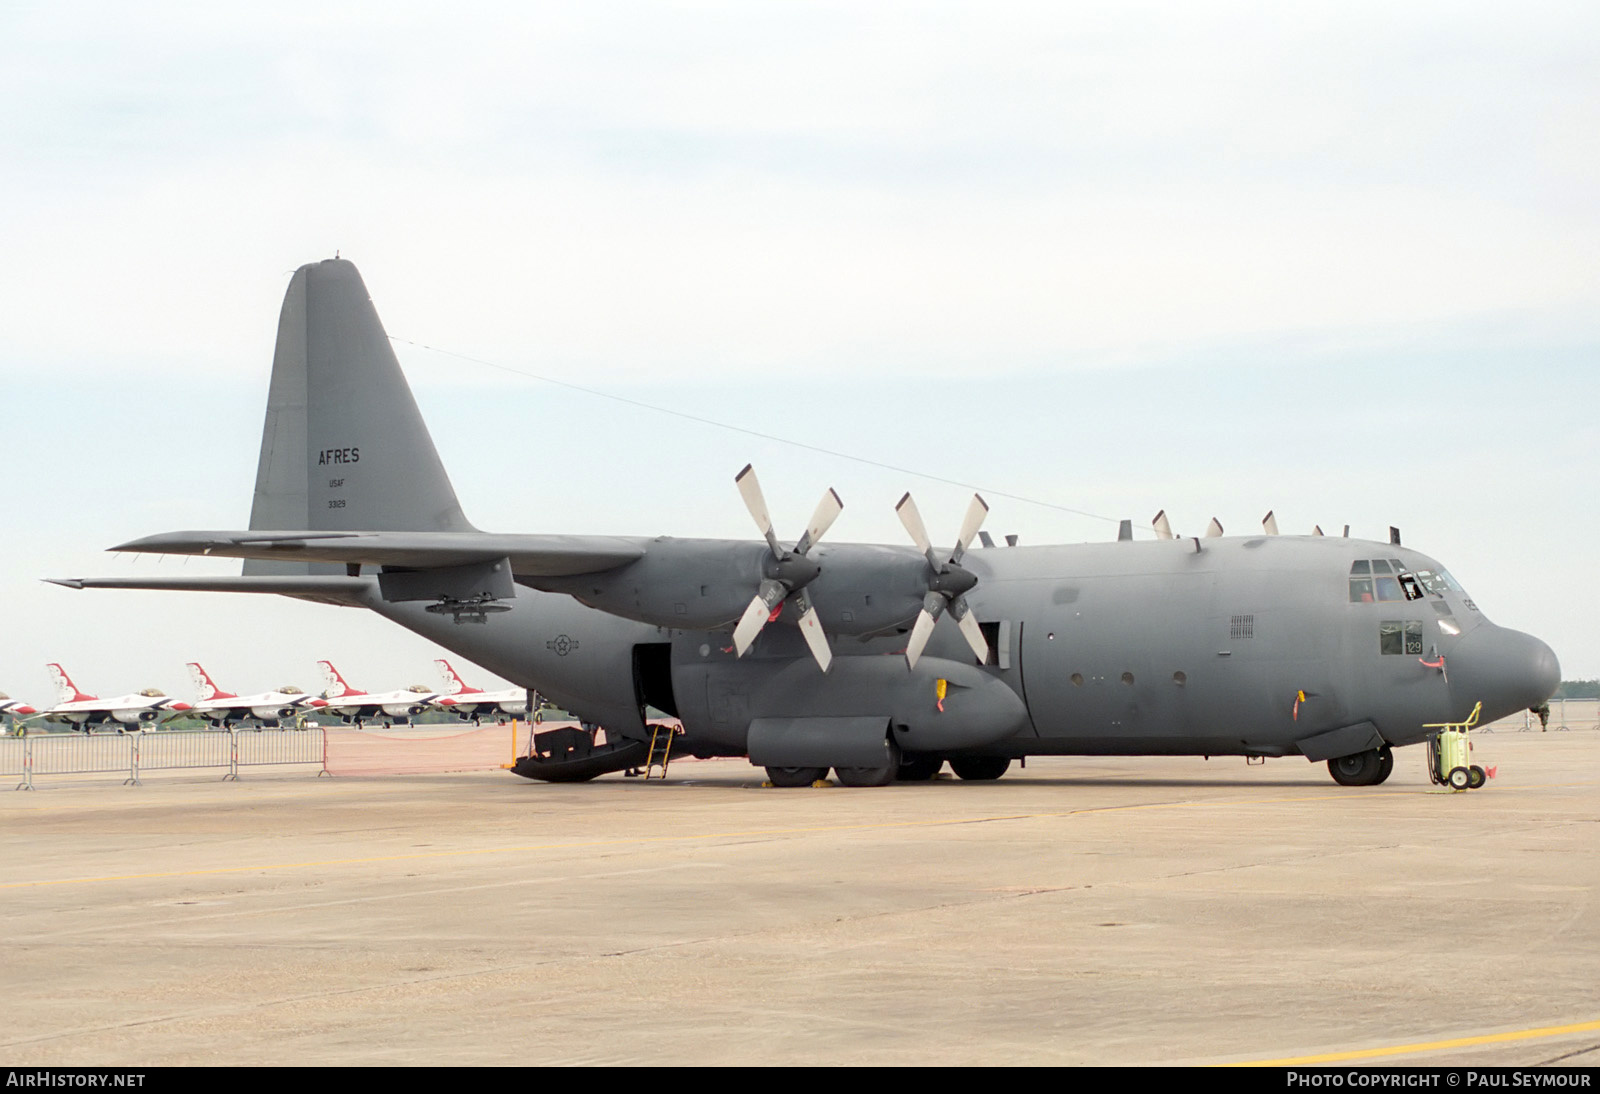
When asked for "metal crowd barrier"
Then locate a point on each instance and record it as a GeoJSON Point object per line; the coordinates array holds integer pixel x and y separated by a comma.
{"type": "Point", "coordinates": [167, 750]}
{"type": "Point", "coordinates": [1565, 715]}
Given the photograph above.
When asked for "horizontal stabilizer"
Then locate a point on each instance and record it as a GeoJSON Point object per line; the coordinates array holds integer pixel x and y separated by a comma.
{"type": "Point", "coordinates": [530, 555]}
{"type": "Point", "coordinates": [324, 589]}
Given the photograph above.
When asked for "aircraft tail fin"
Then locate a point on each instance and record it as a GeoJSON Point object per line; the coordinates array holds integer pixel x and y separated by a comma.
{"type": "Point", "coordinates": [65, 688]}
{"type": "Point", "coordinates": [453, 684]}
{"type": "Point", "coordinates": [205, 686]}
{"type": "Point", "coordinates": [344, 447]}
{"type": "Point", "coordinates": [336, 685]}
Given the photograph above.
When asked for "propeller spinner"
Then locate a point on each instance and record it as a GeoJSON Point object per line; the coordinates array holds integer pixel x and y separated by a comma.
{"type": "Point", "coordinates": [786, 573]}
{"type": "Point", "coordinates": [948, 582]}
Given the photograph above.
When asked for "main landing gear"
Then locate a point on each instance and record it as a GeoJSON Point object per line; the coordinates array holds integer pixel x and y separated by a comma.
{"type": "Point", "coordinates": [917, 768]}
{"type": "Point", "coordinates": [1367, 768]}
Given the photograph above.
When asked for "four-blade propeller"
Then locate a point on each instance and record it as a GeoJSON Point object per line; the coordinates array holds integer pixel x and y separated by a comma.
{"type": "Point", "coordinates": [785, 574]}
{"type": "Point", "coordinates": [948, 582]}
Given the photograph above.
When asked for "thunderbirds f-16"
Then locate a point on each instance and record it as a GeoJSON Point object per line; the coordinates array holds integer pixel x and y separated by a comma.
{"type": "Point", "coordinates": [84, 711]}
{"type": "Point", "coordinates": [879, 662]}
{"type": "Point", "coordinates": [14, 708]}
{"type": "Point", "coordinates": [474, 703]}
{"type": "Point", "coordinates": [361, 707]}
{"type": "Point", "coordinates": [226, 709]}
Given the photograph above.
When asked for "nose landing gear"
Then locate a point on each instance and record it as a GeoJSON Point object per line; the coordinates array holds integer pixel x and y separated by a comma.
{"type": "Point", "coordinates": [1367, 768]}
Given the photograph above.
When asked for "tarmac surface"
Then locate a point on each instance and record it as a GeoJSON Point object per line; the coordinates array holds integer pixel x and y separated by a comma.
{"type": "Point", "coordinates": [1084, 910]}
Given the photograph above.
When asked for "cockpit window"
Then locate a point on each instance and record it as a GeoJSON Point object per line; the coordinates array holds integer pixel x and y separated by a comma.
{"type": "Point", "coordinates": [1369, 582]}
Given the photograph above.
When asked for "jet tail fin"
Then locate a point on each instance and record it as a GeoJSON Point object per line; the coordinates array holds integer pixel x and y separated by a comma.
{"type": "Point", "coordinates": [453, 684]}
{"type": "Point", "coordinates": [336, 684]}
{"type": "Point", "coordinates": [205, 686]}
{"type": "Point", "coordinates": [65, 688]}
{"type": "Point", "coordinates": [344, 447]}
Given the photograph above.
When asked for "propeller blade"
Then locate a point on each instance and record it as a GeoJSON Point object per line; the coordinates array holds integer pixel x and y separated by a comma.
{"type": "Point", "coordinates": [811, 631]}
{"type": "Point", "coordinates": [977, 510]}
{"type": "Point", "coordinates": [1213, 529]}
{"type": "Point", "coordinates": [911, 518]}
{"type": "Point", "coordinates": [1162, 526]}
{"type": "Point", "coordinates": [757, 614]}
{"type": "Point", "coordinates": [1316, 530]}
{"type": "Point", "coordinates": [750, 624]}
{"type": "Point", "coordinates": [920, 633]}
{"type": "Point", "coordinates": [971, 630]}
{"type": "Point", "coordinates": [828, 510]}
{"type": "Point", "coordinates": [1269, 524]}
{"type": "Point", "coordinates": [750, 490]}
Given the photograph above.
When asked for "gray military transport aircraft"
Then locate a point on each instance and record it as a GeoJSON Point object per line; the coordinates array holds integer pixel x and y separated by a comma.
{"type": "Point", "coordinates": [879, 662]}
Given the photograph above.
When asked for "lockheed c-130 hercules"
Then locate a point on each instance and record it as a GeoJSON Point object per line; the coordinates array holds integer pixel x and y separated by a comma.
{"type": "Point", "coordinates": [878, 662]}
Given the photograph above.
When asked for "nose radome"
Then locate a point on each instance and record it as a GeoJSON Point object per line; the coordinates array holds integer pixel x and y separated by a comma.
{"type": "Point", "coordinates": [1505, 669]}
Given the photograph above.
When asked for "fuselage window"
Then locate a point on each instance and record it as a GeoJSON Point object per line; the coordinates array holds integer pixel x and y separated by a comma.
{"type": "Point", "coordinates": [1398, 636]}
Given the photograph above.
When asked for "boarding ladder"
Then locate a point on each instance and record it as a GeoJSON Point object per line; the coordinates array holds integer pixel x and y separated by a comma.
{"type": "Point", "coordinates": [661, 737]}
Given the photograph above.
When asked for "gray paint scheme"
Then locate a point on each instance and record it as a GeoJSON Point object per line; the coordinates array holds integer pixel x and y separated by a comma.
{"type": "Point", "coordinates": [1126, 647]}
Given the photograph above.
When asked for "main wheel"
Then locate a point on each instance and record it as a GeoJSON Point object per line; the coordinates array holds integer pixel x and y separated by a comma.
{"type": "Point", "coordinates": [1357, 769]}
{"type": "Point", "coordinates": [1459, 778]}
{"type": "Point", "coordinates": [919, 769]}
{"type": "Point", "coordinates": [980, 768]}
{"type": "Point", "coordinates": [1385, 764]}
{"type": "Point", "coordinates": [795, 776]}
{"type": "Point", "coordinates": [1476, 777]}
{"type": "Point", "coordinates": [865, 776]}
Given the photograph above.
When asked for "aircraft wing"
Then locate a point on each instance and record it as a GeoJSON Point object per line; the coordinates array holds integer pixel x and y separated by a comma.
{"type": "Point", "coordinates": [530, 555]}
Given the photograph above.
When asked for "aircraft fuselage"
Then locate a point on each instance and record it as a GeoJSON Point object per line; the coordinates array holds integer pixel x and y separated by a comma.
{"type": "Point", "coordinates": [1229, 646]}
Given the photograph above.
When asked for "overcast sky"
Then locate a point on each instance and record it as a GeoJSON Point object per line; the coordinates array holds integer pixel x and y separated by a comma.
{"type": "Point", "coordinates": [1335, 260]}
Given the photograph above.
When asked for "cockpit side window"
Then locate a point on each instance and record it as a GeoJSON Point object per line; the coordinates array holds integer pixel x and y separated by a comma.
{"type": "Point", "coordinates": [1400, 636]}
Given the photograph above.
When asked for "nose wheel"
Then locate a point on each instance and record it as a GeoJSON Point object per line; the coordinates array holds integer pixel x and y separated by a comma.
{"type": "Point", "coordinates": [1368, 768]}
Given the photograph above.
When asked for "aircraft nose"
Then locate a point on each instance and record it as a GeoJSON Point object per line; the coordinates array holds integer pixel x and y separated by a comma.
{"type": "Point", "coordinates": [1508, 670]}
